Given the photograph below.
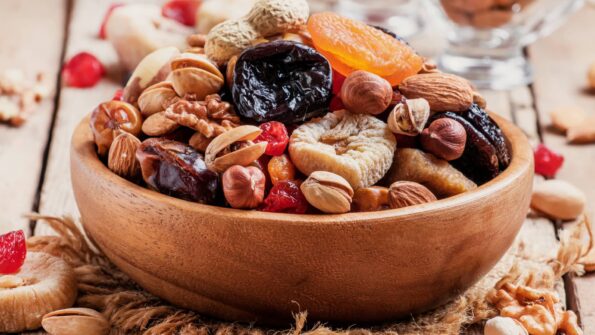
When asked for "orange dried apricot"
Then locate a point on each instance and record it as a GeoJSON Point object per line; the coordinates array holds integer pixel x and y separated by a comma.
{"type": "Point", "coordinates": [351, 45]}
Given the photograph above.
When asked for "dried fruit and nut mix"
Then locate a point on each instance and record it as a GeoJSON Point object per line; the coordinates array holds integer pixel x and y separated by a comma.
{"type": "Point", "coordinates": [283, 111]}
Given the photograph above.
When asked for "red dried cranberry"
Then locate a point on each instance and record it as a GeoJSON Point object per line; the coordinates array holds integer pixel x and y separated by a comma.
{"type": "Point", "coordinates": [13, 251]}
{"type": "Point", "coordinates": [276, 135]}
{"type": "Point", "coordinates": [183, 11]}
{"type": "Point", "coordinates": [338, 80]}
{"type": "Point", "coordinates": [118, 95]}
{"type": "Point", "coordinates": [547, 162]}
{"type": "Point", "coordinates": [82, 70]}
{"type": "Point", "coordinates": [336, 104]}
{"type": "Point", "coordinates": [111, 8]}
{"type": "Point", "coordinates": [286, 197]}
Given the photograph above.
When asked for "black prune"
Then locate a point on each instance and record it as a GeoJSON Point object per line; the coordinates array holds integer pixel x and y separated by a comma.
{"type": "Point", "coordinates": [482, 122]}
{"type": "Point", "coordinates": [281, 81]}
{"type": "Point", "coordinates": [176, 169]}
{"type": "Point", "coordinates": [479, 161]}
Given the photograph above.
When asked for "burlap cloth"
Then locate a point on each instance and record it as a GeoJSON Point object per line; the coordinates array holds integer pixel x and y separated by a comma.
{"type": "Point", "coordinates": [131, 310]}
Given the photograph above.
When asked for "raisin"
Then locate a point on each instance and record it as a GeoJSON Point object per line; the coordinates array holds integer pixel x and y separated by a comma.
{"type": "Point", "coordinates": [286, 197]}
{"type": "Point", "coordinates": [176, 169]}
{"type": "Point", "coordinates": [281, 168]}
{"type": "Point", "coordinates": [281, 81]}
{"type": "Point", "coordinates": [276, 136]}
{"type": "Point", "coordinates": [547, 162]}
{"type": "Point", "coordinates": [13, 251]}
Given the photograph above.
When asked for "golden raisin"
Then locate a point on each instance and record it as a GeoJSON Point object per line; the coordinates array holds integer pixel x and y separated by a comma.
{"type": "Point", "coordinates": [281, 168]}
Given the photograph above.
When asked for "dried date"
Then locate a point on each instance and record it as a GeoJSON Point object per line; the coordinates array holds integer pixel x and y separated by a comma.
{"type": "Point", "coordinates": [176, 169]}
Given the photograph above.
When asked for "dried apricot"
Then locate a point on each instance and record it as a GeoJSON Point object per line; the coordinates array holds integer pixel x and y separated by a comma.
{"type": "Point", "coordinates": [351, 45]}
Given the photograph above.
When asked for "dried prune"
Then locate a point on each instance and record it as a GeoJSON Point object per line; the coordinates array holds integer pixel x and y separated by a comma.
{"type": "Point", "coordinates": [281, 81]}
{"type": "Point", "coordinates": [482, 122]}
{"type": "Point", "coordinates": [176, 169]}
{"type": "Point", "coordinates": [479, 161]}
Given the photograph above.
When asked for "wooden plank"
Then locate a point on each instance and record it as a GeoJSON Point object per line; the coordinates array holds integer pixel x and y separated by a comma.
{"type": "Point", "coordinates": [560, 62]}
{"type": "Point", "coordinates": [32, 37]}
{"type": "Point", "coordinates": [57, 197]}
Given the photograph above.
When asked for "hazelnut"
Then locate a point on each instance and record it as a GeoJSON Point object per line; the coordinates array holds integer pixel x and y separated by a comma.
{"type": "Point", "coordinates": [328, 192]}
{"type": "Point", "coordinates": [122, 156]}
{"type": "Point", "coordinates": [243, 187]}
{"type": "Point", "coordinates": [366, 93]}
{"type": "Point", "coordinates": [109, 118]}
{"type": "Point", "coordinates": [444, 138]}
{"type": "Point", "coordinates": [409, 118]}
{"type": "Point", "coordinates": [368, 199]}
{"type": "Point", "coordinates": [407, 193]}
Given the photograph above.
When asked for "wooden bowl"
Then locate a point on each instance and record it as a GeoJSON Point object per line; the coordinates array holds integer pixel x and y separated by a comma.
{"type": "Point", "coordinates": [249, 265]}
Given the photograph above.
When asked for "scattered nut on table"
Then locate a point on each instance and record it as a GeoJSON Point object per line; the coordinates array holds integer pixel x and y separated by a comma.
{"type": "Point", "coordinates": [558, 199]}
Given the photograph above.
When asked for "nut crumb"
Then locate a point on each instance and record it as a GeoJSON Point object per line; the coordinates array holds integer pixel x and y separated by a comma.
{"type": "Point", "coordinates": [19, 97]}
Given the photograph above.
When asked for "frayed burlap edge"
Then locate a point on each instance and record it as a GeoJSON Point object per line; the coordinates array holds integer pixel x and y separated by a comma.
{"type": "Point", "coordinates": [131, 310]}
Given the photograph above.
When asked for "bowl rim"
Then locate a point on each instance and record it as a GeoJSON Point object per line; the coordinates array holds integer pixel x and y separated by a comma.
{"type": "Point", "coordinates": [83, 146]}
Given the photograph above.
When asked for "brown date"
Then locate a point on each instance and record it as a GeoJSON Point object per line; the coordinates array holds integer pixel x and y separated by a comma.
{"type": "Point", "coordinates": [176, 169]}
{"type": "Point", "coordinates": [109, 119]}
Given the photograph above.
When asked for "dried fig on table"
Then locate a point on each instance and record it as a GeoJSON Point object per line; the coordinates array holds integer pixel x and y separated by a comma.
{"type": "Point", "coordinates": [434, 173]}
{"type": "Point", "coordinates": [43, 284]}
{"type": "Point", "coordinates": [109, 119]}
{"type": "Point", "coordinates": [269, 81]}
{"type": "Point", "coordinates": [357, 147]}
{"type": "Point", "coordinates": [176, 169]}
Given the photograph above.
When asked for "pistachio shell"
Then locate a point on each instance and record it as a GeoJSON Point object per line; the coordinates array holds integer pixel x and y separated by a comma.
{"type": "Point", "coordinates": [75, 321]}
{"type": "Point", "coordinates": [328, 192]}
{"type": "Point", "coordinates": [155, 98]}
{"type": "Point", "coordinates": [243, 156]}
{"type": "Point", "coordinates": [196, 61]}
{"type": "Point", "coordinates": [409, 118]}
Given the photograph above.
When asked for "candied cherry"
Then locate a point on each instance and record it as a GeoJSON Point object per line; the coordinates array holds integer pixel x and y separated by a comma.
{"type": "Point", "coordinates": [547, 162]}
{"type": "Point", "coordinates": [336, 104]}
{"type": "Point", "coordinates": [82, 70]}
{"type": "Point", "coordinates": [351, 45]}
{"type": "Point", "coordinates": [13, 251]}
{"type": "Point", "coordinates": [286, 197]}
{"type": "Point", "coordinates": [102, 33]}
{"type": "Point", "coordinates": [276, 135]}
{"type": "Point", "coordinates": [281, 168]}
{"type": "Point", "coordinates": [338, 80]}
{"type": "Point", "coordinates": [183, 11]}
{"type": "Point", "coordinates": [118, 95]}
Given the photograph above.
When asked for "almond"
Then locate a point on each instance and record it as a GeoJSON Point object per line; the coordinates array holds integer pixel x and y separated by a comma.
{"type": "Point", "coordinates": [444, 92]}
{"type": "Point", "coordinates": [122, 156]}
{"type": "Point", "coordinates": [407, 193]}
{"type": "Point", "coordinates": [558, 199]}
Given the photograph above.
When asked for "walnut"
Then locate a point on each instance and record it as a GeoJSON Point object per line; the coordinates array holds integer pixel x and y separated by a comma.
{"type": "Point", "coordinates": [211, 117]}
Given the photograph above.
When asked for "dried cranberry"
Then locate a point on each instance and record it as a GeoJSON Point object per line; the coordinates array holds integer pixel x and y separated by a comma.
{"type": "Point", "coordinates": [338, 80]}
{"type": "Point", "coordinates": [118, 95]}
{"type": "Point", "coordinates": [286, 197]}
{"type": "Point", "coordinates": [13, 251]}
{"type": "Point", "coordinates": [547, 162]}
{"type": "Point", "coordinates": [336, 104]}
{"type": "Point", "coordinates": [111, 8]}
{"type": "Point", "coordinates": [183, 11]}
{"type": "Point", "coordinates": [82, 70]}
{"type": "Point", "coordinates": [276, 135]}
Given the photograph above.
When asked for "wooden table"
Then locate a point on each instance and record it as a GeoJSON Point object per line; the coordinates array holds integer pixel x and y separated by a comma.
{"type": "Point", "coordinates": [34, 159]}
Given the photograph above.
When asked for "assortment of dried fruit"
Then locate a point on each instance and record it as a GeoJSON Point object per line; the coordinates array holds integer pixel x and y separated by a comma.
{"type": "Point", "coordinates": [280, 111]}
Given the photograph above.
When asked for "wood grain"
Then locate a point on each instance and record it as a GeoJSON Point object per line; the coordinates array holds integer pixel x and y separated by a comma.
{"type": "Point", "coordinates": [32, 37]}
{"type": "Point", "coordinates": [560, 62]}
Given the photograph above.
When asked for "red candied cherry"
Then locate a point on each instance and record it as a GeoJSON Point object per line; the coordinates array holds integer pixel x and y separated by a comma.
{"type": "Point", "coordinates": [338, 80]}
{"type": "Point", "coordinates": [276, 135]}
{"type": "Point", "coordinates": [102, 33]}
{"type": "Point", "coordinates": [336, 104]}
{"type": "Point", "coordinates": [547, 162]}
{"type": "Point", "coordinates": [12, 252]}
{"type": "Point", "coordinates": [118, 95]}
{"type": "Point", "coordinates": [286, 197]}
{"type": "Point", "coordinates": [183, 11]}
{"type": "Point", "coordinates": [82, 70]}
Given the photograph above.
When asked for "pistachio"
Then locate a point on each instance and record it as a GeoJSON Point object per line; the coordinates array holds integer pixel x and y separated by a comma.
{"type": "Point", "coordinates": [328, 192]}
{"type": "Point", "coordinates": [156, 98]}
{"type": "Point", "coordinates": [410, 117]}
{"type": "Point", "coordinates": [193, 74]}
{"type": "Point", "coordinates": [234, 147]}
{"type": "Point", "coordinates": [558, 199]}
{"type": "Point", "coordinates": [407, 193]}
{"type": "Point", "coordinates": [75, 321]}
{"type": "Point", "coordinates": [122, 156]}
